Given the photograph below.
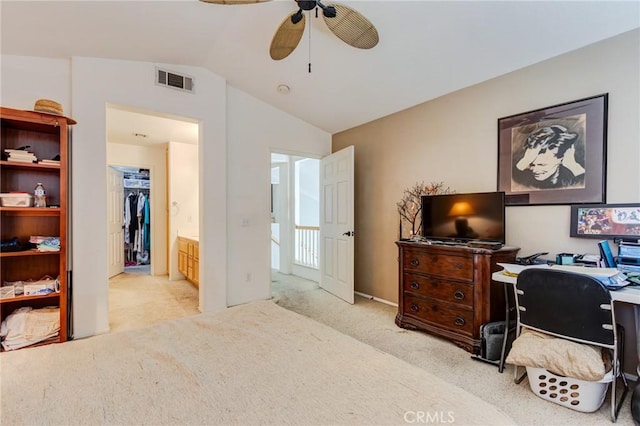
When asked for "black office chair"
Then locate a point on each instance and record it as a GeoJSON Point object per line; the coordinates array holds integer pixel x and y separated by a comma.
{"type": "Point", "coordinates": [572, 306]}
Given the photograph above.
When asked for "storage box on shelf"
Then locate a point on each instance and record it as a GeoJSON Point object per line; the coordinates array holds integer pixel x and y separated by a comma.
{"type": "Point", "coordinates": [47, 137]}
{"type": "Point", "coordinates": [16, 200]}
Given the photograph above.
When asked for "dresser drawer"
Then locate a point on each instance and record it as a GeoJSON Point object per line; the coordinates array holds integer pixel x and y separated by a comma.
{"type": "Point", "coordinates": [444, 265]}
{"type": "Point", "coordinates": [434, 288]}
{"type": "Point", "coordinates": [439, 313]}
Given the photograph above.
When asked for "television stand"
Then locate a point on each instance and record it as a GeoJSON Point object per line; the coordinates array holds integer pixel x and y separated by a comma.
{"type": "Point", "coordinates": [447, 290]}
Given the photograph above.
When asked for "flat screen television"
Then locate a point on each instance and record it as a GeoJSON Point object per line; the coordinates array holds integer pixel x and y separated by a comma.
{"type": "Point", "coordinates": [464, 217]}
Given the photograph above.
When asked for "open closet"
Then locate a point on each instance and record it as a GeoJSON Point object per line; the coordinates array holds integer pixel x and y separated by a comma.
{"type": "Point", "coordinates": [137, 219]}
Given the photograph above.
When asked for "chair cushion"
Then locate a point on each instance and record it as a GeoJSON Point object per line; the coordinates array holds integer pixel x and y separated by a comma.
{"type": "Point", "coordinates": [559, 356]}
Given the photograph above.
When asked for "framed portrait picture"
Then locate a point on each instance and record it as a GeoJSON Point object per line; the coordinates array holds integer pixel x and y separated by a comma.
{"type": "Point", "coordinates": [605, 221]}
{"type": "Point", "coordinates": [554, 155]}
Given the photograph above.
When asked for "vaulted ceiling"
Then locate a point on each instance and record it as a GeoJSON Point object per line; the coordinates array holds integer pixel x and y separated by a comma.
{"type": "Point", "coordinates": [426, 48]}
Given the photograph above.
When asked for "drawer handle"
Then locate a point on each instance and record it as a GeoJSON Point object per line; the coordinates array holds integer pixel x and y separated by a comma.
{"type": "Point", "coordinates": [415, 285]}
{"type": "Point", "coordinates": [458, 266]}
{"type": "Point", "coordinates": [414, 262]}
{"type": "Point", "coordinates": [414, 307]}
{"type": "Point", "coordinates": [459, 321]}
{"type": "Point", "coordinates": [458, 295]}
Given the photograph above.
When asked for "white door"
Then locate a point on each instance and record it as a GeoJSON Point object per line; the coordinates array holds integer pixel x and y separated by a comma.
{"type": "Point", "coordinates": [115, 218]}
{"type": "Point", "coordinates": [336, 224]}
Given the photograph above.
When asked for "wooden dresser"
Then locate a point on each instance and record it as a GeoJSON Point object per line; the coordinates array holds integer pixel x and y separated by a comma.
{"type": "Point", "coordinates": [447, 290]}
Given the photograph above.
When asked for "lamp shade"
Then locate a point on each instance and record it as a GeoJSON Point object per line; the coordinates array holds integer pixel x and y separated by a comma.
{"type": "Point", "coordinates": [461, 208]}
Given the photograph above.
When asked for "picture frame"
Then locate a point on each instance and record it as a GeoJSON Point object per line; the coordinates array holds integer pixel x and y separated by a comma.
{"type": "Point", "coordinates": [605, 221]}
{"type": "Point", "coordinates": [554, 155]}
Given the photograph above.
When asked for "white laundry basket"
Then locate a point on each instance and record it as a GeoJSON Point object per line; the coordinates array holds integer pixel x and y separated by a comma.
{"type": "Point", "coordinates": [579, 395]}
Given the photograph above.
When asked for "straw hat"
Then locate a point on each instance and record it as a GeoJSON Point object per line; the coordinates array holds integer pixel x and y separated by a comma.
{"type": "Point", "coordinates": [51, 107]}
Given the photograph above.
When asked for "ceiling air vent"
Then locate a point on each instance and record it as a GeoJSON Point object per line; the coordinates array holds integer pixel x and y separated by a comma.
{"type": "Point", "coordinates": [174, 80]}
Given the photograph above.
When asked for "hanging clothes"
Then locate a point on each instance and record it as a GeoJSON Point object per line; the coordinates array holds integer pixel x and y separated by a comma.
{"type": "Point", "coordinates": [129, 207]}
{"type": "Point", "coordinates": [147, 225]}
{"type": "Point", "coordinates": [137, 244]}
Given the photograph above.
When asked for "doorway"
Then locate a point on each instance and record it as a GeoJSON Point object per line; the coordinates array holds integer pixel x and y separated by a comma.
{"type": "Point", "coordinates": [295, 208]}
{"type": "Point", "coordinates": [144, 147]}
{"type": "Point", "coordinates": [137, 220]}
{"type": "Point", "coordinates": [129, 217]}
{"type": "Point", "coordinates": [327, 188]}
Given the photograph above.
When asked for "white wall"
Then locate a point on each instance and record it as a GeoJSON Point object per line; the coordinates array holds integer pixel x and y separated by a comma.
{"type": "Point", "coordinates": [152, 158]}
{"type": "Point", "coordinates": [23, 80]}
{"type": "Point", "coordinates": [90, 84]}
{"type": "Point", "coordinates": [256, 129]}
{"type": "Point", "coordinates": [183, 199]}
{"type": "Point", "coordinates": [85, 86]}
{"type": "Point", "coordinates": [95, 83]}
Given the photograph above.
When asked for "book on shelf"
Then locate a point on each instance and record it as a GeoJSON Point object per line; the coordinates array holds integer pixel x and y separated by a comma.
{"type": "Point", "coordinates": [16, 151]}
{"type": "Point", "coordinates": [21, 160]}
{"type": "Point", "coordinates": [23, 156]}
{"type": "Point", "coordinates": [19, 155]}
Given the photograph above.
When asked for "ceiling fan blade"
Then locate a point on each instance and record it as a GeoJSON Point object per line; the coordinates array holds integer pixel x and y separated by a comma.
{"type": "Point", "coordinates": [287, 37]}
{"type": "Point", "coordinates": [231, 2]}
{"type": "Point", "coordinates": [352, 28]}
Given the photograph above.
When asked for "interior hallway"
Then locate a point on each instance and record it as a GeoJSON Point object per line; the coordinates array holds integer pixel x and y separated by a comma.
{"type": "Point", "coordinates": [138, 300]}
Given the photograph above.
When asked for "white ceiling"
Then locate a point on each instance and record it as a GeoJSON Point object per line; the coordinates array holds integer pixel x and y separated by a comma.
{"type": "Point", "coordinates": [426, 49]}
{"type": "Point", "coordinates": [131, 127]}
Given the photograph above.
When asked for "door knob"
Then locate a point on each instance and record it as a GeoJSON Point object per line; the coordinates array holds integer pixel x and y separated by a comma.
{"type": "Point", "coordinates": [350, 233]}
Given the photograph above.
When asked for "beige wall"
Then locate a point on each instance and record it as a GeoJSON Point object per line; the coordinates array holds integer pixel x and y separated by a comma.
{"type": "Point", "coordinates": [454, 139]}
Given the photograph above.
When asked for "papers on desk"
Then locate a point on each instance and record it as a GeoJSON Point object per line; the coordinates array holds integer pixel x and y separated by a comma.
{"type": "Point", "coordinates": [512, 270]}
{"type": "Point", "coordinates": [612, 278]}
{"type": "Point", "coordinates": [595, 272]}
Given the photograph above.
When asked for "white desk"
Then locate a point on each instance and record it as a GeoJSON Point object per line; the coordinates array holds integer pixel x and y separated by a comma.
{"type": "Point", "coordinates": [629, 294]}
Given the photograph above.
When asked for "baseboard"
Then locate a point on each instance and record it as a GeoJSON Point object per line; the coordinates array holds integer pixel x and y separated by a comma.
{"type": "Point", "coordinates": [377, 299]}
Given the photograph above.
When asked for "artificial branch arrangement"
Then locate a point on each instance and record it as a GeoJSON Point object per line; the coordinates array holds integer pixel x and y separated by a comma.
{"type": "Point", "coordinates": [410, 206]}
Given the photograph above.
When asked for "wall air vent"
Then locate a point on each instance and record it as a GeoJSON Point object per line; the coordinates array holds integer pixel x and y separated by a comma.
{"type": "Point", "coordinates": [174, 80]}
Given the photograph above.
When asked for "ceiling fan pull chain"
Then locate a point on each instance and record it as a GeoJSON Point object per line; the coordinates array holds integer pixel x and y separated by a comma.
{"type": "Point", "coordinates": [310, 38]}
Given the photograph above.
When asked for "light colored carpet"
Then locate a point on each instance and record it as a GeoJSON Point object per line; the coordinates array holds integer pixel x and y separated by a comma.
{"type": "Point", "coordinates": [137, 301]}
{"type": "Point", "coordinates": [373, 323]}
{"type": "Point", "coordinates": [251, 364]}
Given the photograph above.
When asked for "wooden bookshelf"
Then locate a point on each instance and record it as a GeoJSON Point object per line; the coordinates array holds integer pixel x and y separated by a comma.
{"type": "Point", "coordinates": [47, 136]}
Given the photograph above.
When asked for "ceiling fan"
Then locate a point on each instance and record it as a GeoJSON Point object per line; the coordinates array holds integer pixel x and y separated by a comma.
{"type": "Point", "coordinates": [346, 23]}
